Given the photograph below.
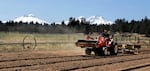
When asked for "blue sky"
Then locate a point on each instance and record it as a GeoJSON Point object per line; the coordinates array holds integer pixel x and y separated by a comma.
{"type": "Point", "coordinates": [58, 10]}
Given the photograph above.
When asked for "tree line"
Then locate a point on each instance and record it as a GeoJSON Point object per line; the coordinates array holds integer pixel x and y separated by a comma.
{"type": "Point", "coordinates": [140, 26]}
{"type": "Point", "coordinates": [78, 26]}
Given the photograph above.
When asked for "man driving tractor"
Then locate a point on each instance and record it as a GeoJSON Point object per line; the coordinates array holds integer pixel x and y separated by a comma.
{"type": "Point", "coordinates": [105, 34]}
{"type": "Point", "coordinates": [104, 38]}
{"type": "Point", "coordinates": [103, 45]}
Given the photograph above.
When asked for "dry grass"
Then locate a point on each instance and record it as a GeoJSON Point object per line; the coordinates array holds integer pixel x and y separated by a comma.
{"type": "Point", "coordinates": [12, 37]}
{"type": "Point", "coordinates": [18, 38]}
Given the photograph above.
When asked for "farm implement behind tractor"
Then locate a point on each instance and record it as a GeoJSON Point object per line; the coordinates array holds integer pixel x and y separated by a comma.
{"type": "Point", "coordinates": [106, 46]}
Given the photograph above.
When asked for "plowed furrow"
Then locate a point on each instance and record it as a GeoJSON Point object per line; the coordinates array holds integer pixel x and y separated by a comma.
{"type": "Point", "coordinates": [27, 62]}
{"type": "Point", "coordinates": [47, 65]}
{"type": "Point", "coordinates": [35, 58]}
{"type": "Point", "coordinates": [119, 66]}
{"type": "Point", "coordinates": [136, 68]}
{"type": "Point", "coordinates": [108, 62]}
{"type": "Point", "coordinates": [39, 61]}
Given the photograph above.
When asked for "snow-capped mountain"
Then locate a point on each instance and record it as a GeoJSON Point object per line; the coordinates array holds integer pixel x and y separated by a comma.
{"type": "Point", "coordinates": [95, 20]}
{"type": "Point", "coordinates": [92, 19]}
{"type": "Point", "coordinates": [98, 20]}
{"type": "Point", "coordinates": [30, 18]}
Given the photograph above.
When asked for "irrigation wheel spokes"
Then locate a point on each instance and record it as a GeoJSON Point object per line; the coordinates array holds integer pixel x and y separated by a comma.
{"type": "Point", "coordinates": [29, 42]}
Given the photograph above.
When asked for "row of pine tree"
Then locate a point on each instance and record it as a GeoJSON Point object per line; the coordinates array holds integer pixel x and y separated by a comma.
{"type": "Point", "coordinates": [75, 26]}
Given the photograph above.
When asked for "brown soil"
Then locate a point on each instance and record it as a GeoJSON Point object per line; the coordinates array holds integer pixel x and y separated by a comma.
{"type": "Point", "coordinates": [72, 60]}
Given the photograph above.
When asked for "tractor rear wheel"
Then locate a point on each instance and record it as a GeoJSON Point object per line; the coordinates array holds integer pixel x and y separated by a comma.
{"type": "Point", "coordinates": [97, 52]}
{"type": "Point", "coordinates": [88, 51]}
{"type": "Point", "coordinates": [101, 51]}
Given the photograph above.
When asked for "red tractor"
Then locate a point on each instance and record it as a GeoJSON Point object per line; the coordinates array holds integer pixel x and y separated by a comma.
{"type": "Point", "coordinates": [102, 47]}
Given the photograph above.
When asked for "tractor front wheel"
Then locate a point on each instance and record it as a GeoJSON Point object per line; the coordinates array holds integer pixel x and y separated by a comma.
{"type": "Point", "coordinates": [114, 50]}
{"type": "Point", "coordinates": [105, 51]}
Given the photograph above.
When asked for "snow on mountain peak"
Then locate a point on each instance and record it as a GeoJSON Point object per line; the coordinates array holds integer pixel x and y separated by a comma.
{"type": "Point", "coordinates": [95, 20]}
{"type": "Point", "coordinates": [98, 20]}
{"type": "Point", "coordinates": [29, 15]}
{"type": "Point", "coordinates": [30, 18]}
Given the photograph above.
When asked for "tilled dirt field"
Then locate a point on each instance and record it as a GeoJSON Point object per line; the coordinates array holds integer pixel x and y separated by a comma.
{"type": "Point", "coordinates": [46, 61]}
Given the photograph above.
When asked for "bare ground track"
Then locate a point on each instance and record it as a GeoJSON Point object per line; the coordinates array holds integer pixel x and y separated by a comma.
{"type": "Point", "coordinates": [66, 63]}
